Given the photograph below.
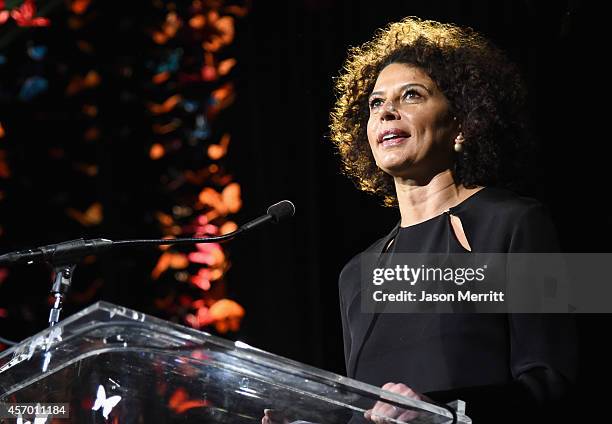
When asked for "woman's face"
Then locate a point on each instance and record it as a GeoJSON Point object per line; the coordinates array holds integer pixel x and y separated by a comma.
{"type": "Point", "coordinates": [410, 129]}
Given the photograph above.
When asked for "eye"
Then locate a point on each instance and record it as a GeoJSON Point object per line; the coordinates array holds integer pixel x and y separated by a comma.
{"type": "Point", "coordinates": [375, 102]}
{"type": "Point", "coordinates": [412, 94]}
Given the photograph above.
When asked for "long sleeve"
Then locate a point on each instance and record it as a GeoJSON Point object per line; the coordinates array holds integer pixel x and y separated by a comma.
{"type": "Point", "coordinates": [543, 351]}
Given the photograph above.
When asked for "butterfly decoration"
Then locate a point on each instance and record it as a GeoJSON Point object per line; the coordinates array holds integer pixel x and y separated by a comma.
{"type": "Point", "coordinates": [169, 260]}
{"type": "Point", "coordinates": [217, 151]}
{"type": "Point", "coordinates": [179, 401]}
{"type": "Point", "coordinates": [79, 83]}
{"type": "Point", "coordinates": [227, 315]}
{"type": "Point", "coordinates": [190, 106]}
{"type": "Point", "coordinates": [202, 128]}
{"type": "Point", "coordinates": [197, 21]}
{"type": "Point", "coordinates": [169, 29]}
{"type": "Point", "coordinates": [172, 62]}
{"type": "Point", "coordinates": [24, 15]}
{"type": "Point", "coordinates": [166, 106]}
{"type": "Point", "coordinates": [200, 318]}
{"type": "Point", "coordinates": [222, 33]}
{"type": "Point", "coordinates": [32, 87]}
{"type": "Point", "coordinates": [168, 127]}
{"type": "Point", "coordinates": [4, 14]}
{"type": "Point", "coordinates": [161, 77]}
{"type": "Point", "coordinates": [37, 52]}
{"type": "Point", "coordinates": [91, 170]}
{"type": "Point", "coordinates": [93, 215]}
{"type": "Point", "coordinates": [222, 204]}
{"type": "Point", "coordinates": [211, 71]}
{"type": "Point", "coordinates": [210, 254]}
{"type": "Point", "coordinates": [3, 276]}
{"type": "Point", "coordinates": [37, 420]}
{"type": "Point", "coordinates": [157, 151]}
{"type": "Point", "coordinates": [79, 7]}
{"type": "Point", "coordinates": [5, 171]}
{"type": "Point", "coordinates": [107, 404]}
{"type": "Point", "coordinates": [220, 99]}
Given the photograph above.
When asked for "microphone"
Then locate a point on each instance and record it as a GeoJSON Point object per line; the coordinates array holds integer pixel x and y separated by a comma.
{"type": "Point", "coordinates": [69, 252]}
{"type": "Point", "coordinates": [275, 213]}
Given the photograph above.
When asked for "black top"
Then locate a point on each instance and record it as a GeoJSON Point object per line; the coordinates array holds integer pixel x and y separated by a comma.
{"type": "Point", "coordinates": [500, 364]}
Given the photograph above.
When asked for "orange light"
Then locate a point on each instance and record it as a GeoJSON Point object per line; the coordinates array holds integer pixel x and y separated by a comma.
{"type": "Point", "coordinates": [228, 227]}
{"type": "Point", "coordinates": [208, 73]}
{"type": "Point", "coordinates": [161, 77]}
{"type": "Point", "coordinates": [165, 107]}
{"type": "Point", "coordinates": [92, 134]}
{"type": "Point", "coordinates": [79, 6]}
{"type": "Point", "coordinates": [197, 21]}
{"type": "Point", "coordinates": [90, 110]}
{"type": "Point", "coordinates": [78, 83]}
{"type": "Point", "coordinates": [157, 151]}
{"type": "Point", "coordinates": [93, 215]}
{"type": "Point", "coordinates": [164, 219]}
{"type": "Point", "coordinates": [217, 151]}
{"type": "Point", "coordinates": [91, 170]}
{"type": "Point", "coordinates": [85, 47]}
{"type": "Point", "coordinates": [226, 66]}
{"type": "Point", "coordinates": [179, 402]}
{"type": "Point", "coordinates": [166, 128]}
{"type": "Point", "coordinates": [224, 33]}
{"type": "Point", "coordinates": [227, 315]}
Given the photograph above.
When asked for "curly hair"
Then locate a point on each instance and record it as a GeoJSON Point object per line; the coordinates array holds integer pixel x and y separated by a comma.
{"type": "Point", "coordinates": [484, 89]}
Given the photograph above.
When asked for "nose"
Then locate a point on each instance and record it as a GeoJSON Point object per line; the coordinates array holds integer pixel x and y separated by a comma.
{"type": "Point", "coordinates": [389, 113]}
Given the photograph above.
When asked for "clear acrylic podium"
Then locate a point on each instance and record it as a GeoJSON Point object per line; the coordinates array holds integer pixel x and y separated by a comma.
{"type": "Point", "coordinates": [112, 364]}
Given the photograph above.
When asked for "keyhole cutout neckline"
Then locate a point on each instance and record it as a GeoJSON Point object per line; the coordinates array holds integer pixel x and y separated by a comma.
{"type": "Point", "coordinates": [448, 211]}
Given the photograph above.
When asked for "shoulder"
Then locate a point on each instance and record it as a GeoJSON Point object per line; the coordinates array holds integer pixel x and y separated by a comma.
{"type": "Point", "coordinates": [501, 206]}
{"type": "Point", "coordinates": [350, 274]}
{"type": "Point", "coordinates": [521, 223]}
{"type": "Point", "coordinates": [503, 202]}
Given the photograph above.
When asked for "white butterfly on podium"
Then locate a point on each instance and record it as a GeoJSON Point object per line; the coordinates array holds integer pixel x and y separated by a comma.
{"type": "Point", "coordinates": [107, 404]}
{"type": "Point", "coordinates": [41, 419]}
{"type": "Point", "coordinates": [37, 420]}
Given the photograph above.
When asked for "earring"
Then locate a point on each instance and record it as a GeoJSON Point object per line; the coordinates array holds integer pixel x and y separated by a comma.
{"type": "Point", "coordinates": [459, 143]}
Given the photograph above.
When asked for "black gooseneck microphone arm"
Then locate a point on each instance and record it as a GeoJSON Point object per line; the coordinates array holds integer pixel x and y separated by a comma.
{"type": "Point", "coordinates": [64, 256]}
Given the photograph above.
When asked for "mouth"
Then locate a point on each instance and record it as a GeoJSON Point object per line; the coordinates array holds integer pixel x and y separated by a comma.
{"type": "Point", "coordinates": [392, 137]}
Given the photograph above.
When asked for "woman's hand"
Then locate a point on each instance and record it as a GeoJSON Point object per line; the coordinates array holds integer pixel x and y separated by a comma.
{"type": "Point", "coordinates": [273, 416]}
{"type": "Point", "coordinates": [383, 411]}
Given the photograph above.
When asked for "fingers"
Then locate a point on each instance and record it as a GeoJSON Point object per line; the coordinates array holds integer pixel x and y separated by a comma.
{"type": "Point", "coordinates": [273, 416]}
{"type": "Point", "coordinates": [407, 415]}
{"type": "Point", "coordinates": [382, 411]}
{"type": "Point", "coordinates": [403, 390]}
{"type": "Point", "coordinates": [387, 386]}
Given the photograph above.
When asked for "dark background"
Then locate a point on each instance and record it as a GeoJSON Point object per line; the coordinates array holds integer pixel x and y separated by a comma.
{"type": "Point", "coordinates": [286, 96]}
{"type": "Point", "coordinates": [286, 276]}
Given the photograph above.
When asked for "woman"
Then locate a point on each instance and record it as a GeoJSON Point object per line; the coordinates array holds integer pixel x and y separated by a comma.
{"type": "Point", "coordinates": [430, 117]}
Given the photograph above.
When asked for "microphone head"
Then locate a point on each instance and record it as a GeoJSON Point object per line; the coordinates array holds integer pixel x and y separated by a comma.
{"type": "Point", "coordinates": [281, 210]}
